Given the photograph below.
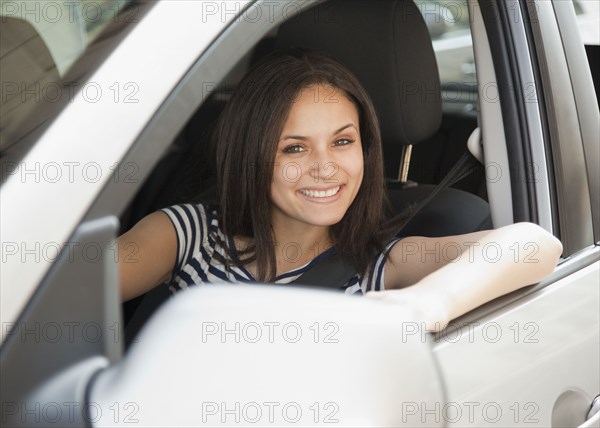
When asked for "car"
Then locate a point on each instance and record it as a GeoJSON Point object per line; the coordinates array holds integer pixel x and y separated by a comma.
{"type": "Point", "coordinates": [107, 112]}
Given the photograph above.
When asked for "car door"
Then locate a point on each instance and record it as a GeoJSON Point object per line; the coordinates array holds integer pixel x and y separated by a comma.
{"type": "Point", "coordinates": [532, 357]}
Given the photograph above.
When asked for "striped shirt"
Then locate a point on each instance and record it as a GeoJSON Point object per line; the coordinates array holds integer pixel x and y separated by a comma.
{"type": "Point", "coordinates": [200, 252]}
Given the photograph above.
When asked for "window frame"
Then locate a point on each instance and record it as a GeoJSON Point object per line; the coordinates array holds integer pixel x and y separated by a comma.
{"type": "Point", "coordinates": [562, 92]}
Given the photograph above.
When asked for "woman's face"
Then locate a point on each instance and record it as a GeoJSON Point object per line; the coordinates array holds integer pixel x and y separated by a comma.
{"type": "Point", "coordinates": [319, 163]}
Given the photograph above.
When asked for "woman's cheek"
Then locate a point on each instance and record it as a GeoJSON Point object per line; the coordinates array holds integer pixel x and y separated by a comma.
{"type": "Point", "coordinates": [357, 166]}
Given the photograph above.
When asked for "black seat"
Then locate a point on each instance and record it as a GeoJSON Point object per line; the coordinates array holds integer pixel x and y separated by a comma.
{"type": "Point", "coordinates": [387, 45]}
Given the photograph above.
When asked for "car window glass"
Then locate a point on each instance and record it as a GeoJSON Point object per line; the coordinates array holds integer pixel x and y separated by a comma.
{"type": "Point", "coordinates": [588, 20]}
{"type": "Point", "coordinates": [588, 23]}
{"type": "Point", "coordinates": [46, 50]}
{"type": "Point", "coordinates": [448, 24]}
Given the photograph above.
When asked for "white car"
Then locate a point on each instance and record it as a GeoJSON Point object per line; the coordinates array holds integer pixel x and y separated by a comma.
{"type": "Point", "coordinates": [107, 108]}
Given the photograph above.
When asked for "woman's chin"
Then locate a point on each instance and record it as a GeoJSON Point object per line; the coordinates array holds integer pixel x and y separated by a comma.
{"type": "Point", "coordinates": [324, 220]}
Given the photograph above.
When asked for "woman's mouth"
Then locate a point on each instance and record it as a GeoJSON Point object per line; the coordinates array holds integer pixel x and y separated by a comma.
{"type": "Point", "coordinates": [321, 194]}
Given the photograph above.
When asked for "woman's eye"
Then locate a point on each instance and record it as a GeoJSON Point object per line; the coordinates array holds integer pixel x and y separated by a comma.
{"type": "Point", "coordinates": [295, 148]}
{"type": "Point", "coordinates": [344, 142]}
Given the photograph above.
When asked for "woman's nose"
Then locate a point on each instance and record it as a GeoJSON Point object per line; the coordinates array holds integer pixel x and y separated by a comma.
{"type": "Point", "coordinates": [322, 166]}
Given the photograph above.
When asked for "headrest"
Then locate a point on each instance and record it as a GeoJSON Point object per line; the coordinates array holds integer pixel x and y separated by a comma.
{"type": "Point", "coordinates": [387, 45]}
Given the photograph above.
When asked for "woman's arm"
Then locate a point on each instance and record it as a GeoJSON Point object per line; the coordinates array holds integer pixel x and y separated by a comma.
{"type": "Point", "coordinates": [147, 255]}
{"type": "Point", "coordinates": [455, 274]}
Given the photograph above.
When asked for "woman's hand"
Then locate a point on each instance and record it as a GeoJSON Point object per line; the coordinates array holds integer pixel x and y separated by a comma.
{"type": "Point", "coordinates": [432, 306]}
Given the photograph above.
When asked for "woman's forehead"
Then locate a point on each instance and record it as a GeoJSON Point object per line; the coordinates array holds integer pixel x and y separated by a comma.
{"type": "Point", "coordinates": [321, 106]}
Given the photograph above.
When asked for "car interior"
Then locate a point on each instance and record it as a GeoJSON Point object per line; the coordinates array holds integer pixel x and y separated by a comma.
{"type": "Point", "coordinates": [390, 50]}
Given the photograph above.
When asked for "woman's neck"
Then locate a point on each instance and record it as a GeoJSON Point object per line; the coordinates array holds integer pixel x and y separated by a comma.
{"type": "Point", "coordinates": [298, 243]}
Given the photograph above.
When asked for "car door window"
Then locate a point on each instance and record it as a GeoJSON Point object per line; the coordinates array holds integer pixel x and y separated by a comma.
{"type": "Point", "coordinates": [588, 20]}
{"type": "Point", "coordinates": [448, 24]}
{"type": "Point", "coordinates": [46, 48]}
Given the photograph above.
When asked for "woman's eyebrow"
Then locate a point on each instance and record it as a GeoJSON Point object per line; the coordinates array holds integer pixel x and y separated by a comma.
{"type": "Point", "coordinates": [344, 127]}
{"type": "Point", "coordinates": [300, 137]}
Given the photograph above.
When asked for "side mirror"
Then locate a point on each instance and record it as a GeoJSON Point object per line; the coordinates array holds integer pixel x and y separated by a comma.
{"type": "Point", "coordinates": [263, 354]}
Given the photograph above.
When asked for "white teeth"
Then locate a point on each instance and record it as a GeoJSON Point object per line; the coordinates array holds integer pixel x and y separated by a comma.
{"type": "Point", "coordinates": [320, 193]}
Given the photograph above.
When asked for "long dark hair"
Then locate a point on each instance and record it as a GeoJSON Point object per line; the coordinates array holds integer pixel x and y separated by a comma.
{"type": "Point", "coordinates": [246, 139]}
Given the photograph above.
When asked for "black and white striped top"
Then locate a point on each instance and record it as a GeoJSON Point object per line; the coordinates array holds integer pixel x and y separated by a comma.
{"type": "Point", "coordinates": [199, 238]}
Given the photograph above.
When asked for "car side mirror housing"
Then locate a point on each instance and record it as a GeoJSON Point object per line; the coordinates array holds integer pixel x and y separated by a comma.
{"type": "Point", "coordinates": [265, 354]}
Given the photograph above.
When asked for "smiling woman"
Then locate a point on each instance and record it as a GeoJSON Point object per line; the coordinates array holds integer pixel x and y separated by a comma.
{"type": "Point", "coordinates": [291, 114]}
{"type": "Point", "coordinates": [300, 177]}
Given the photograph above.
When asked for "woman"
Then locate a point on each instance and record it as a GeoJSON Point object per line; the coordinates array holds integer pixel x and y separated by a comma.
{"type": "Point", "coordinates": [300, 173]}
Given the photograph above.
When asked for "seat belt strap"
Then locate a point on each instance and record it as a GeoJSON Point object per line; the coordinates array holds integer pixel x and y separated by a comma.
{"type": "Point", "coordinates": [331, 272]}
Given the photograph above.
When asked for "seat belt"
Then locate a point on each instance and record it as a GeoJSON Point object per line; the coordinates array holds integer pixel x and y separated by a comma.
{"type": "Point", "coordinates": [333, 272]}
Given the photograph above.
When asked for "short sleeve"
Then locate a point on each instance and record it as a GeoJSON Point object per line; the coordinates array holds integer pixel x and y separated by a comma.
{"type": "Point", "coordinates": [190, 223]}
{"type": "Point", "coordinates": [374, 280]}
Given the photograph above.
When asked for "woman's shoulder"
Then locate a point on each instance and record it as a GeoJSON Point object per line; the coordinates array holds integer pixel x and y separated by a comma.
{"type": "Point", "coordinates": [195, 213]}
{"type": "Point", "coordinates": [196, 223]}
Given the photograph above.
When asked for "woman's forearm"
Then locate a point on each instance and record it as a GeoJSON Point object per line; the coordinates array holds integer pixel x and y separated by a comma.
{"type": "Point", "coordinates": [497, 263]}
{"type": "Point", "coordinates": [502, 261]}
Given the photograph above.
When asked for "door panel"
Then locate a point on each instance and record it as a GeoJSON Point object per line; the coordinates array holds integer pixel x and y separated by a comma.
{"type": "Point", "coordinates": [515, 363]}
